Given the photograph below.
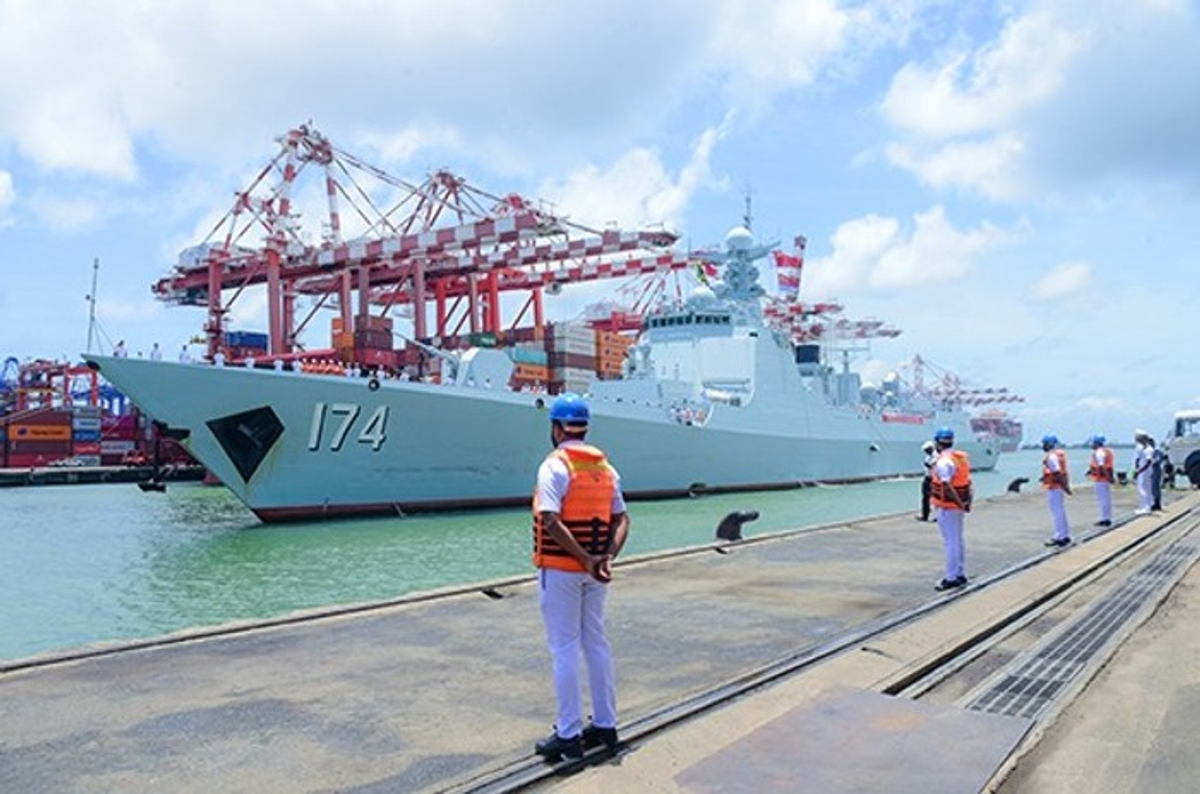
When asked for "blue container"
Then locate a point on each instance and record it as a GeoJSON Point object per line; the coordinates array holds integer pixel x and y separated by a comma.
{"type": "Point", "coordinates": [253, 339]}
{"type": "Point", "coordinates": [86, 435]}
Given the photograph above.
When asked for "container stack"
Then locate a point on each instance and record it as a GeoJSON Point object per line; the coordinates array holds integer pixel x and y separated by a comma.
{"type": "Point", "coordinates": [531, 368]}
{"type": "Point", "coordinates": [571, 351]}
{"type": "Point", "coordinates": [372, 343]}
{"type": "Point", "coordinates": [118, 438]}
{"type": "Point", "coordinates": [611, 348]}
{"type": "Point", "coordinates": [86, 435]}
{"type": "Point", "coordinates": [39, 438]}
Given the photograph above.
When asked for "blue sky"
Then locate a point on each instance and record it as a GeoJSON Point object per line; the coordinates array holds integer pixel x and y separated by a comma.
{"type": "Point", "coordinates": [1016, 185]}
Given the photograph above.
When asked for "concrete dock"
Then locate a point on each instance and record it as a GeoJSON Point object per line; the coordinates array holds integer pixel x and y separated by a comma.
{"type": "Point", "coordinates": [445, 691]}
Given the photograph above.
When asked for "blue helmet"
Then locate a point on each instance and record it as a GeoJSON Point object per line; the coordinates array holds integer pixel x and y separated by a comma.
{"type": "Point", "coordinates": [1050, 440]}
{"type": "Point", "coordinates": [943, 434]}
{"type": "Point", "coordinates": [570, 409]}
{"type": "Point", "coordinates": [1098, 440]}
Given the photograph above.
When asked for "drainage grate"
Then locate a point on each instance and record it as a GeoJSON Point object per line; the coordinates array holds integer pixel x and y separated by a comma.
{"type": "Point", "coordinates": [1032, 683]}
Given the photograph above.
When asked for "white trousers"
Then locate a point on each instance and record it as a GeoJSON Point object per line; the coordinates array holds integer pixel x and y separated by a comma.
{"type": "Point", "coordinates": [950, 524]}
{"type": "Point", "coordinates": [1056, 498]}
{"type": "Point", "coordinates": [1145, 488]}
{"type": "Point", "coordinates": [1104, 499]}
{"type": "Point", "coordinates": [573, 610]}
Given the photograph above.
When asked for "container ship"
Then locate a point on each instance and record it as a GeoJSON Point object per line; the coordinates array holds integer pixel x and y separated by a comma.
{"type": "Point", "coordinates": [716, 387]}
{"type": "Point", "coordinates": [999, 427]}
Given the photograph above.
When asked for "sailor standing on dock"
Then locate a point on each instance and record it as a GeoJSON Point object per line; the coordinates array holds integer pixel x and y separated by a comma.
{"type": "Point", "coordinates": [951, 492]}
{"type": "Point", "coordinates": [930, 458]}
{"type": "Point", "coordinates": [1101, 472]}
{"type": "Point", "coordinates": [1057, 482]}
{"type": "Point", "coordinates": [1143, 466]}
{"type": "Point", "coordinates": [580, 525]}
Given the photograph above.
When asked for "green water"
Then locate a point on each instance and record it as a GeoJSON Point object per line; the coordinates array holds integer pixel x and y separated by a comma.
{"type": "Point", "coordinates": [87, 563]}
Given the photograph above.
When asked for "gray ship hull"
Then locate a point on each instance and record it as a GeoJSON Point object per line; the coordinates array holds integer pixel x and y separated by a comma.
{"type": "Point", "coordinates": [300, 446]}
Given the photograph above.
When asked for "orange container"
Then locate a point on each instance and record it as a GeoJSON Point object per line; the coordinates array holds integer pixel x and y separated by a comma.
{"type": "Point", "coordinates": [40, 432]}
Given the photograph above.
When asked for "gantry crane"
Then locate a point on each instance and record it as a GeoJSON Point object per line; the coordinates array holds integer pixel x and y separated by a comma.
{"type": "Point", "coordinates": [443, 242]}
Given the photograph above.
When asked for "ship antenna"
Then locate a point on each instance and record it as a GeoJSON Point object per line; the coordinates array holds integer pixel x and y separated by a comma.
{"type": "Point", "coordinates": [748, 216]}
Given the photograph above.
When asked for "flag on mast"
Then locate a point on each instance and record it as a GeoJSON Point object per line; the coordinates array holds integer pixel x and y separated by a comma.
{"type": "Point", "coordinates": [788, 267]}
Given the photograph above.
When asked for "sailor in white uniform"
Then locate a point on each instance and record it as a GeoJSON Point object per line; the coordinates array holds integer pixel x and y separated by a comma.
{"type": "Point", "coordinates": [1143, 465]}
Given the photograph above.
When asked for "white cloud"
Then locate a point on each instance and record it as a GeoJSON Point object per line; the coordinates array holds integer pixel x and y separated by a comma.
{"type": "Point", "coordinates": [508, 84]}
{"type": "Point", "coordinates": [68, 215]}
{"type": "Point", "coordinates": [637, 188]}
{"type": "Point", "coordinates": [8, 195]}
{"type": "Point", "coordinates": [1063, 280]}
{"type": "Point", "coordinates": [1072, 101]}
{"type": "Point", "coordinates": [876, 252]}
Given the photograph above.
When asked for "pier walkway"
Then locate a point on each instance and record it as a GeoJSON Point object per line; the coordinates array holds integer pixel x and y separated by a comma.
{"type": "Point", "coordinates": [813, 660]}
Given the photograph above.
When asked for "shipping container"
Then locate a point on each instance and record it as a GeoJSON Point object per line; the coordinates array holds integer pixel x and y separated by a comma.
{"type": "Point", "coordinates": [254, 340]}
{"type": "Point", "coordinates": [56, 448]}
{"type": "Point", "coordinates": [86, 448]}
{"type": "Point", "coordinates": [572, 361]}
{"type": "Point", "coordinates": [531, 372]}
{"type": "Point", "coordinates": [42, 416]}
{"type": "Point", "coordinates": [373, 340]}
{"type": "Point", "coordinates": [86, 423]}
{"type": "Point", "coordinates": [482, 339]}
{"type": "Point", "coordinates": [577, 346]}
{"type": "Point", "coordinates": [529, 355]}
{"type": "Point", "coordinates": [25, 432]}
{"type": "Point", "coordinates": [369, 322]}
{"type": "Point", "coordinates": [88, 460]}
{"type": "Point", "coordinates": [117, 448]}
{"type": "Point", "coordinates": [86, 435]}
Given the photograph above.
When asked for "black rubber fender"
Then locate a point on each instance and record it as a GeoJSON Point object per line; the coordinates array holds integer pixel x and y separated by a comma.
{"type": "Point", "coordinates": [373, 383]}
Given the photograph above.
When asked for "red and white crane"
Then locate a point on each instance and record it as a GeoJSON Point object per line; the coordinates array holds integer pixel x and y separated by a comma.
{"type": "Point", "coordinates": [442, 242]}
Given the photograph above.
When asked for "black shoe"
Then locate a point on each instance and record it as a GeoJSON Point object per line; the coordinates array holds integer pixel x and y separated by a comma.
{"type": "Point", "coordinates": [594, 736]}
{"type": "Point", "coordinates": [950, 584]}
{"type": "Point", "coordinates": [1058, 542]}
{"type": "Point", "coordinates": [555, 748]}
{"type": "Point", "coordinates": [921, 518]}
{"type": "Point", "coordinates": [1104, 523]}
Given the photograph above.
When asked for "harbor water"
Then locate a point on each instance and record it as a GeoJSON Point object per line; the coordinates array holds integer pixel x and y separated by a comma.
{"type": "Point", "coordinates": [91, 563]}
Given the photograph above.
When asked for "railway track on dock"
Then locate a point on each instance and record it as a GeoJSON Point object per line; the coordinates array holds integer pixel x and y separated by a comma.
{"type": "Point", "coordinates": [1034, 684]}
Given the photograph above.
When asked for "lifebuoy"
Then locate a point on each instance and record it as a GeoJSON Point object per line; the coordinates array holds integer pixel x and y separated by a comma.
{"type": "Point", "coordinates": [373, 384]}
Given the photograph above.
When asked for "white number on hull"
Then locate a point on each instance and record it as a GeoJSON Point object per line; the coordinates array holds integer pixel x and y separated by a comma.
{"type": "Point", "coordinates": [373, 433]}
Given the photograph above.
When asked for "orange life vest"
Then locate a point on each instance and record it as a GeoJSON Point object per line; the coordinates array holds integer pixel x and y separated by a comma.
{"type": "Point", "coordinates": [586, 509]}
{"type": "Point", "coordinates": [960, 482]}
{"type": "Point", "coordinates": [1099, 473]}
{"type": "Point", "coordinates": [1049, 481]}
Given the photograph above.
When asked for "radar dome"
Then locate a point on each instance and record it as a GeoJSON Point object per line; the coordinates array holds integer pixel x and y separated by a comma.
{"type": "Point", "coordinates": [739, 239]}
{"type": "Point", "coordinates": [701, 296]}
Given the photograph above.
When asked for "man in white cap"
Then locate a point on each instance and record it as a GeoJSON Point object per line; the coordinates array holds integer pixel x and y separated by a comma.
{"type": "Point", "coordinates": [1143, 465]}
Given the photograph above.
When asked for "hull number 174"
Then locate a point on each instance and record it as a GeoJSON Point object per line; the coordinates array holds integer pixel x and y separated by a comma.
{"type": "Point", "coordinates": [332, 424]}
